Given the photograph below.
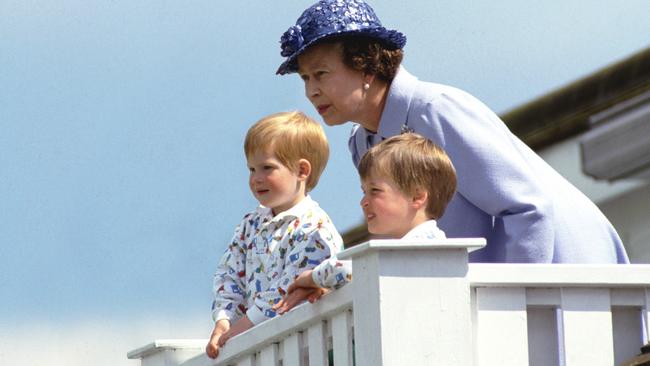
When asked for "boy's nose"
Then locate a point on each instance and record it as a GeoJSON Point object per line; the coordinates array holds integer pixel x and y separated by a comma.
{"type": "Point", "coordinates": [257, 178]}
{"type": "Point", "coordinates": [364, 202]}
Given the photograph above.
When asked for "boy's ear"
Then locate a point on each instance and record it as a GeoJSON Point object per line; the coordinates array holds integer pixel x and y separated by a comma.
{"type": "Point", "coordinates": [420, 198]}
{"type": "Point", "coordinates": [304, 169]}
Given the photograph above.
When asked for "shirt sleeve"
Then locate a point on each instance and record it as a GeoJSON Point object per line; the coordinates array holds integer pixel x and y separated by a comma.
{"type": "Point", "coordinates": [229, 279]}
{"type": "Point", "coordinates": [494, 173]}
{"type": "Point", "coordinates": [332, 273]}
{"type": "Point", "coordinates": [309, 248]}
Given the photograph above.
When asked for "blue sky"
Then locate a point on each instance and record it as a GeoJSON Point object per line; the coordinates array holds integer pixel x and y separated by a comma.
{"type": "Point", "coordinates": [121, 127]}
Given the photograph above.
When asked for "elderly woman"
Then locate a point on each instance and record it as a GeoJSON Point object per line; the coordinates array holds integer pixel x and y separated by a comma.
{"type": "Point", "coordinates": [351, 68]}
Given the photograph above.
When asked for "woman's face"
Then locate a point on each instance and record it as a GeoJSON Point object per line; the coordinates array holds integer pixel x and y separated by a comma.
{"type": "Point", "coordinates": [335, 90]}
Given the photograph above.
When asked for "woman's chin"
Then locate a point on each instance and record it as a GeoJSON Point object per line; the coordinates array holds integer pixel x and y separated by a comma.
{"type": "Point", "coordinates": [333, 121]}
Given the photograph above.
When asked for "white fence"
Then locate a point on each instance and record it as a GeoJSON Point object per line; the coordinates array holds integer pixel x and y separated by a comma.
{"type": "Point", "coordinates": [420, 303]}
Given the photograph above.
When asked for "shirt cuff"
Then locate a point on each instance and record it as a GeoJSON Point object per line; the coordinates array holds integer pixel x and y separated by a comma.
{"type": "Point", "coordinates": [332, 273]}
{"type": "Point", "coordinates": [255, 315]}
{"type": "Point", "coordinates": [221, 314]}
{"type": "Point", "coordinates": [316, 274]}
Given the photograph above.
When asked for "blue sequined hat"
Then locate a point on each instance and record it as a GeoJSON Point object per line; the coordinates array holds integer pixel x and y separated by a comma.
{"type": "Point", "coordinates": [329, 18]}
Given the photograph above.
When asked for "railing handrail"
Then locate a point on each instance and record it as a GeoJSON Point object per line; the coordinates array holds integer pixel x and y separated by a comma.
{"type": "Point", "coordinates": [470, 244]}
{"type": "Point", "coordinates": [280, 327]}
{"type": "Point", "coordinates": [558, 275]}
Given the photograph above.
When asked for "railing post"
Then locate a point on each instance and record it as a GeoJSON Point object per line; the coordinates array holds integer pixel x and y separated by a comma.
{"type": "Point", "coordinates": [412, 302]}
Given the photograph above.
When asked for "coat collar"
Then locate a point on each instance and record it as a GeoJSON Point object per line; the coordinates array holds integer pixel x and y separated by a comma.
{"type": "Point", "coordinates": [396, 110]}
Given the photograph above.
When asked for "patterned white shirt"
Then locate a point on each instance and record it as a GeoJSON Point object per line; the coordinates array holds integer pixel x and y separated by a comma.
{"type": "Point", "coordinates": [266, 254]}
{"type": "Point", "coordinates": [333, 273]}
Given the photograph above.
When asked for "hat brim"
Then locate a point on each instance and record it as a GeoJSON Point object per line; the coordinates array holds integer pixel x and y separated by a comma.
{"type": "Point", "coordinates": [392, 38]}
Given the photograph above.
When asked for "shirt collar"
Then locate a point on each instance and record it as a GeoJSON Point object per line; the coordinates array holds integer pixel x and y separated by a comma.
{"type": "Point", "coordinates": [397, 104]}
{"type": "Point", "coordinates": [296, 211]}
{"type": "Point", "coordinates": [428, 229]}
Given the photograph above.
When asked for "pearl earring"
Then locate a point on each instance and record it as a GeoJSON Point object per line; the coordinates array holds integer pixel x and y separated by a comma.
{"type": "Point", "coordinates": [366, 86]}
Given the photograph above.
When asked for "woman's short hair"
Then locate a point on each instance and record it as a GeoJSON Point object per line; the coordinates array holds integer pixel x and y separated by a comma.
{"type": "Point", "coordinates": [290, 136]}
{"type": "Point", "coordinates": [370, 55]}
{"type": "Point", "coordinates": [412, 163]}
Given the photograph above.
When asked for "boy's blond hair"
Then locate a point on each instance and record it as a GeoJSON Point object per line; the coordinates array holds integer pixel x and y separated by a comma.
{"type": "Point", "coordinates": [413, 162]}
{"type": "Point", "coordinates": [291, 136]}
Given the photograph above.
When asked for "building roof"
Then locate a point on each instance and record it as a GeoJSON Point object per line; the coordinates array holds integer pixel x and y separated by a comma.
{"type": "Point", "coordinates": [565, 112]}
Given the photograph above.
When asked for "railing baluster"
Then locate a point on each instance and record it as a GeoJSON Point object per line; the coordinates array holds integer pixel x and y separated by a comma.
{"type": "Point", "coordinates": [246, 361]}
{"type": "Point", "coordinates": [542, 337]}
{"type": "Point", "coordinates": [587, 319]}
{"type": "Point", "coordinates": [342, 339]}
{"type": "Point", "coordinates": [292, 350]}
{"type": "Point", "coordinates": [502, 326]}
{"type": "Point", "coordinates": [646, 317]}
{"type": "Point", "coordinates": [317, 345]}
{"type": "Point", "coordinates": [627, 332]}
{"type": "Point", "coordinates": [269, 355]}
{"type": "Point", "coordinates": [627, 307]}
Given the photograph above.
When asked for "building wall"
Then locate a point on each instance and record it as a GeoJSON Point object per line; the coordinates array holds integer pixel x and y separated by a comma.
{"type": "Point", "coordinates": [626, 202]}
{"type": "Point", "coordinates": [630, 214]}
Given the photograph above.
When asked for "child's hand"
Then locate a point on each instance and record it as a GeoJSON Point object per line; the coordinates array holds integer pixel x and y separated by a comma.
{"type": "Point", "coordinates": [220, 328]}
{"type": "Point", "coordinates": [240, 326]}
{"type": "Point", "coordinates": [303, 288]}
{"type": "Point", "coordinates": [304, 280]}
{"type": "Point", "coordinates": [298, 296]}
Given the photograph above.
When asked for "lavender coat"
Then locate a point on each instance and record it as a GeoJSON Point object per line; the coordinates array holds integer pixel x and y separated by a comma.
{"type": "Point", "coordinates": [506, 193]}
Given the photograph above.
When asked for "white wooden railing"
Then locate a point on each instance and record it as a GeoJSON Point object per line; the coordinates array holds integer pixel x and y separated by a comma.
{"type": "Point", "coordinates": [420, 303]}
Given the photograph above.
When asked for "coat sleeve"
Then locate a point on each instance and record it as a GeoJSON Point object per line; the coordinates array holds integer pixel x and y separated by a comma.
{"type": "Point", "coordinates": [332, 273]}
{"type": "Point", "coordinates": [310, 247]}
{"type": "Point", "coordinates": [494, 172]}
{"type": "Point", "coordinates": [229, 279]}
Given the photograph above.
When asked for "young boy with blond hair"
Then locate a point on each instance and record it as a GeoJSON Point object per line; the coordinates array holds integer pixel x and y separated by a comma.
{"type": "Point", "coordinates": [286, 235]}
{"type": "Point", "coordinates": [407, 182]}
